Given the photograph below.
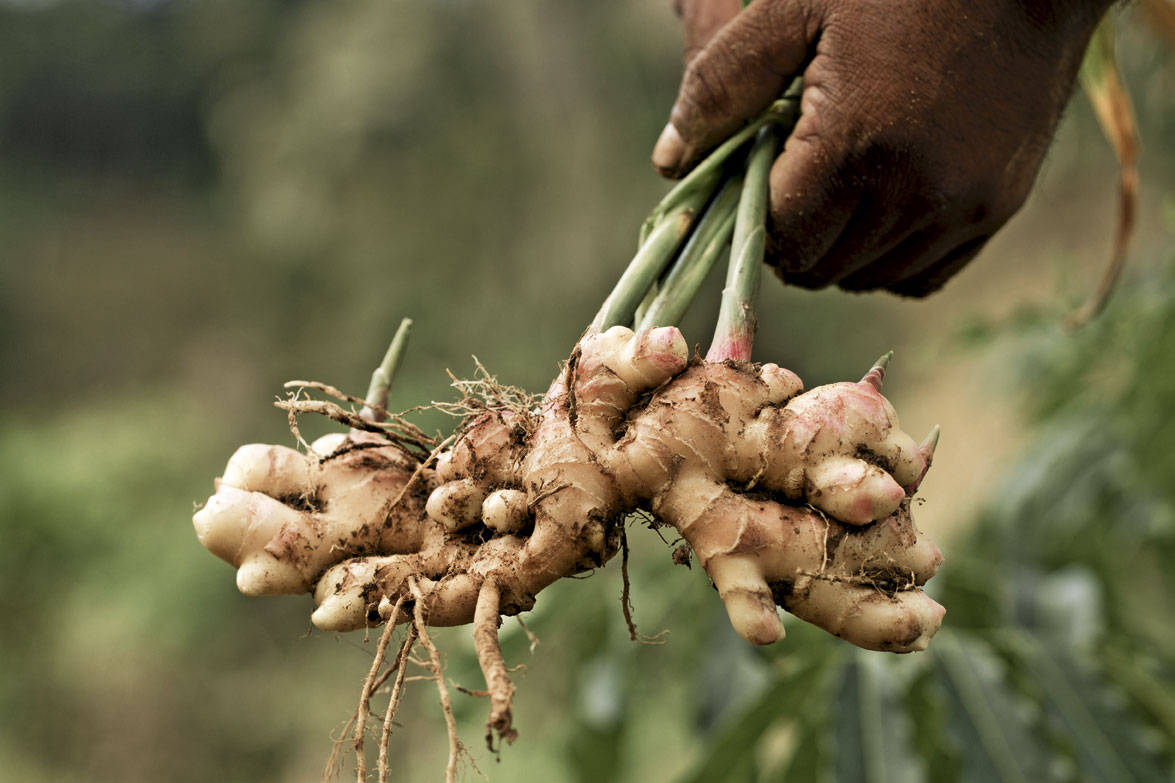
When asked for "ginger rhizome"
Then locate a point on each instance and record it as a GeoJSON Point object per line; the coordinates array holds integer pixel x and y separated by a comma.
{"type": "Point", "coordinates": [790, 499]}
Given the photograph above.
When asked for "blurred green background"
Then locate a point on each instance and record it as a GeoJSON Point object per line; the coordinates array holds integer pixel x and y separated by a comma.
{"type": "Point", "coordinates": [201, 200]}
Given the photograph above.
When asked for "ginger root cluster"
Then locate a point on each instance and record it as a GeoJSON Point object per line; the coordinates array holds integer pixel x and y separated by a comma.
{"type": "Point", "coordinates": [790, 499]}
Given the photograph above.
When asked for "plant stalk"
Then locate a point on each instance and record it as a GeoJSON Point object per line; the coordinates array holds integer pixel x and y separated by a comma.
{"type": "Point", "coordinates": [695, 260]}
{"type": "Point", "coordinates": [644, 269]}
{"type": "Point", "coordinates": [735, 331]}
{"type": "Point", "coordinates": [705, 176]}
{"type": "Point", "coordinates": [376, 398]}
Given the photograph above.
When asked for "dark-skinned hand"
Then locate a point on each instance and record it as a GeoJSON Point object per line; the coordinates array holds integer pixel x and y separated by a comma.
{"type": "Point", "coordinates": [923, 123]}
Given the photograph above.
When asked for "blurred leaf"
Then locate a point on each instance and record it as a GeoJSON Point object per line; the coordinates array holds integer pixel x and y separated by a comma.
{"type": "Point", "coordinates": [811, 759]}
{"type": "Point", "coordinates": [732, 748]}
{"type": "Point", "coordinates": [873, 733]}
{"type": "Point", "coordinates": [1153, 694]}
{"type": "Point", "coordinates": [929, 707]}
{"type": "Point", "coordinates": [1108, 742]}
{"type": "Point", "coordinates": [989, 724]}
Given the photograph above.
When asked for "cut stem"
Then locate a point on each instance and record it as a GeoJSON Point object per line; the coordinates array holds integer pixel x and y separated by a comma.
{"type": "Point", "coordinates": [376, 399]}
{"type": "Point", "coordinates": [735, 332]}
{"type": "Point", "coordinates": [694, 262]}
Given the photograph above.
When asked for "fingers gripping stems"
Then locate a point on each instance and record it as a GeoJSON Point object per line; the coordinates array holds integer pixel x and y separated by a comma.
{"type": "Point", "coordinates": [740, 70]}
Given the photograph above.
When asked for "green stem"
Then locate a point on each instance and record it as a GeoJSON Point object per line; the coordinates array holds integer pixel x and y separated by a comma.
{"type": "Point", "coordinates": [695, 260]}
{"type": "Point", "coordinates": [381, 380]}
{"type": "Point", "coordinates": [648, 263]}
{"type": "Point", "coordinates": [642, 310]}
{"type": "Point", "coordinates": [735, 332]}
{"type": "Point", "coordinates": [705, 176]}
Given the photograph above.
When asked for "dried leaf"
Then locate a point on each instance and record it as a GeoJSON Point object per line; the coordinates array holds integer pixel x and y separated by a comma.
{"type": "Point", "coordinates": [1161, 15]}
{"type": "Point", "coordinates": [1103, 85]}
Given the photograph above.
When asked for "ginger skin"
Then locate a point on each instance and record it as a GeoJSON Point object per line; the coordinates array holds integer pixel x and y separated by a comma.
{"type": "Point", "coordinates": [793, 499]}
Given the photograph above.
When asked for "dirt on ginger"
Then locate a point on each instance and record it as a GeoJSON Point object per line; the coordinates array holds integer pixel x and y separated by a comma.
{"type": "Point", "coordinates": [790, 499]}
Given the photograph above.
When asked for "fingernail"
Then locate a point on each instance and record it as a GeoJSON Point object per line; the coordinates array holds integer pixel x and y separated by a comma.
{"type": "Point", "coordinates": [669, 150]}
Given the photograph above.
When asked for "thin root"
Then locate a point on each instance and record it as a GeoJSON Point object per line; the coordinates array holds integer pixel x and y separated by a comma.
{"type": "Point", "coordinates": [474, 694]}
{"type": "Point", "coordinates": [365, 698]}
{"type": "Point", "coordinates": [485, 393]}
{"type": "Point", "coordinates": [530, 636]}
{"type": "Point", "coordinates": [486, 619]}
{"type": "Point", "coordinates": [625, 597]}
{"type": "Point", "coordinates": [438, 675]}
{"type": "Point", "coordinates": [394, 702]}
{"type": "Point", "coordinates": [399, 432]}
{"type": "Point", "coordinates": [626, 600]}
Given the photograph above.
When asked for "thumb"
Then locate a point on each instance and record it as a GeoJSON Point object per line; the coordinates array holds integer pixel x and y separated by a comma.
{"type": "Point", "coordinates": [745, 66]}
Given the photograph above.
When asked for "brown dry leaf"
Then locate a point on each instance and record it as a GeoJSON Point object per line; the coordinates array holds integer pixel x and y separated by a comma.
{"type": "Point", "coordinates": [1161, 16]}
{"type": "Point", "coordinates": [1103, 85]}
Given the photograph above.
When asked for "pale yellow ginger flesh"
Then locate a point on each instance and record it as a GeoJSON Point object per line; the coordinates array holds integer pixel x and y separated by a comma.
{"type": "Point", "coordinates": [787, 499]}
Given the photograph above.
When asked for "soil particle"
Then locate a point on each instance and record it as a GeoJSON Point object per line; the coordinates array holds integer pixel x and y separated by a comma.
{"type": "Point", "coordinates": [310, 502]}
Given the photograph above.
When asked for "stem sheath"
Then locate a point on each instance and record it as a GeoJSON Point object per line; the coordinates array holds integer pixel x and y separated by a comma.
{"type": "Point", "coordinates": [695, 260]}
{"type": "Point", "coordinates": [735, 332]}
{"type": "Point", "coordinates": [648, 263]}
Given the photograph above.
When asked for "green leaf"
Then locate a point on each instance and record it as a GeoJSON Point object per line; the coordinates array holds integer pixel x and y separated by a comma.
{"type": "Point", "coordinates": [989, 724]}
{"type": "Point", "coordinates": [928, 705]}
{"type": "Point", "coordinates": [1108, 742]}
{"type": "Point", "coordinates": [732, 748]}
{"type": "Point", "coordinates": [873, 732]}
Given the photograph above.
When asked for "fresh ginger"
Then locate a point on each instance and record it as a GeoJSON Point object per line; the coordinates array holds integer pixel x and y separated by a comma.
{"type": "Point", "coordinates": [800, 500]}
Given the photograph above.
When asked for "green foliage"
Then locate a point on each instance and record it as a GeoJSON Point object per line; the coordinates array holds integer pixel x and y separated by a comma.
{"type": "Point", "coordinates": [1057, 660]}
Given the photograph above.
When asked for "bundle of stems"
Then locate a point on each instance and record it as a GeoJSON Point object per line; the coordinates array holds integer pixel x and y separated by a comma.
{"type": "Point", "coordinates": [721, 204]}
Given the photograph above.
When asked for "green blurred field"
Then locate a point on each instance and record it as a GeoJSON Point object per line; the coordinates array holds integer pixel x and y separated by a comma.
{"type": "Point", "coordinates": [201, 200]}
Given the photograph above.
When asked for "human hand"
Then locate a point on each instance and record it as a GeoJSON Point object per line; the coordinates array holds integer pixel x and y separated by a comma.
{"type": "Point", "coordinates": [923, 124]}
